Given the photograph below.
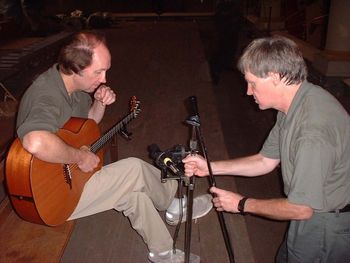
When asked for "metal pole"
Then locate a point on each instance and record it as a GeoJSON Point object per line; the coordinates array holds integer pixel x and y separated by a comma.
{"type": "Point", "coordinates": [195, 122]}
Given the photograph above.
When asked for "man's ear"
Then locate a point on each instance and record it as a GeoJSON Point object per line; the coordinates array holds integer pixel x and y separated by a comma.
{"type": "Point", "coordinates": [275, 78]}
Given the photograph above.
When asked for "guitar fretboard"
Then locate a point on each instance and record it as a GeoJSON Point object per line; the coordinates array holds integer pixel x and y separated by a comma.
{"type": "Point", "coordinates": [96, 146]}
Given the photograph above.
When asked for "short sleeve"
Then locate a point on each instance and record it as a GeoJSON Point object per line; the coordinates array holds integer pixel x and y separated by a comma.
{"type": "Point", "coordinates": [271, 147]}
{"type": "Point", "coordinates": [313, 163]}
{"type": "Point", "coordinates": [44, 115]}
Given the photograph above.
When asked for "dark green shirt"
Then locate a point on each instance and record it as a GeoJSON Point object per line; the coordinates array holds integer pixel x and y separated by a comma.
{"type": "Point", "coordinates": [313, 143]}
{"type": "Point", "coordinates": [47, 106]}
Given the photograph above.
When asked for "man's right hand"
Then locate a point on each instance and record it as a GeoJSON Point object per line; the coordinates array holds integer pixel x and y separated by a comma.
{"type": "Point", "coordinates": [88, 160]}
{"type": "Point", "coordinates": [195, 165]}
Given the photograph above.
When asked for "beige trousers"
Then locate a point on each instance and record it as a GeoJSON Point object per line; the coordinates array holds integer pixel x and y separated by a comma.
{"type": "Point", "coordinates": [133, 187]}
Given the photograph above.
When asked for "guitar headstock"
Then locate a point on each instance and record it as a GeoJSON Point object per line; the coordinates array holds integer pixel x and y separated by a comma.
{"type": "Point", "coordinates": [135, 106]}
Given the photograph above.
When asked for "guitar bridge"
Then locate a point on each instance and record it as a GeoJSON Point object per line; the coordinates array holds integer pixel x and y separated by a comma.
{"type": "Point", "coordinates": [67, 173]}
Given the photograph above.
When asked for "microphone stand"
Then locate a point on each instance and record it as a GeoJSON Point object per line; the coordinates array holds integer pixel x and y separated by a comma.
{"type": "Point", "coordinates": [190, 190]}
{"type": "Point", "coordinates": [195, 122]}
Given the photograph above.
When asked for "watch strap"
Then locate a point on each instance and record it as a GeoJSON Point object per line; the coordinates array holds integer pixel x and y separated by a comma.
{"type": "Point", "coordinates": [241, 204]}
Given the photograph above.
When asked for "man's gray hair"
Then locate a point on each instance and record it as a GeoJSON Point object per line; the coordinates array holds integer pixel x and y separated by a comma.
{"type": "Point", "coordinates": [275, 54]}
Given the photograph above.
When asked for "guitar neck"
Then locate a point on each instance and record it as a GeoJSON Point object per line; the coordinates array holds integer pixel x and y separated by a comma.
{"type": "Point", "coordinates": [98, 145]}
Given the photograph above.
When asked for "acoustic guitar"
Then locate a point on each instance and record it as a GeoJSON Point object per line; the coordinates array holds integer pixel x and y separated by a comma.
{"type": "Point", "coordinates": [47, 193]}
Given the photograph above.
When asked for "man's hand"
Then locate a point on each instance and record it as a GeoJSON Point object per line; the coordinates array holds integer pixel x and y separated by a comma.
{"type": "Point", "coordinates": [195, 165]}
{"type": "Point", "coordinates": [225, 200]}
{"type": "Point", "coordinates": [105, 95]}
{"type": "Point", "coordinates": [89, 161]}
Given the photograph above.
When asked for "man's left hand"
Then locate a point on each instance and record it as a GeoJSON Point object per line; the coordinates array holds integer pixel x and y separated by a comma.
{"type": "Point", "coordinates": [105, 95]}
{"type": "Point", "coordinates": [225, 200]}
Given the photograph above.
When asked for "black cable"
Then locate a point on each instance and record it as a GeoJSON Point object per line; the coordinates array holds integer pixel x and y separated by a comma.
{"type": "Point", "coordinates": [177, 229]}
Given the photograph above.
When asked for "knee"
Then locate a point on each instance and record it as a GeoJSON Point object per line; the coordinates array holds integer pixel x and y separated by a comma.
{"type": "Point", "coordinates": [134, 161]}
{"type": "Point", "coordinates": [137, 162]}
{"type": "Point", "coordinates": [139, 168]}
{"type": "Point", "coordinates": [140, 165]}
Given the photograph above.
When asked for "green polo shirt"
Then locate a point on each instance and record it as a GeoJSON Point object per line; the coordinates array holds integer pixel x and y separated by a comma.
{"type": "Point", "coordinates": [47, 106]}
{"type": "Point", "coordinates": [313, 143]}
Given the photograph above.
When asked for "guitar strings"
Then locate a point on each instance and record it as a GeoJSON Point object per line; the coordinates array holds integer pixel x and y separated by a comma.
{"type": "Point", "coordinates": [94, 148]}
{"type": "Point", "coordinates": [104, 139]}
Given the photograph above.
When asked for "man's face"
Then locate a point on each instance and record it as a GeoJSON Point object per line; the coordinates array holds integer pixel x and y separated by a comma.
{"type": "Point", "coordinates": [262, 89]}
{"type": "Point", "coordinates": [91, 77]}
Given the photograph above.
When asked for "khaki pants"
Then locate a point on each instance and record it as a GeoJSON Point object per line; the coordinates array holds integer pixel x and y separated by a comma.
{"type": "Point", "coordinates": [133, 187]}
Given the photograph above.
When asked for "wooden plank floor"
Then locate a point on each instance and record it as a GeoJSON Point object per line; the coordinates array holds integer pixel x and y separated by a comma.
{"type": "Point", "coordinates": [24, 242]}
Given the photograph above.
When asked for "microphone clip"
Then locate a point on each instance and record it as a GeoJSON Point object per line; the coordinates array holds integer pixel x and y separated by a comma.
{"type": "Point", "coordinates": [169, 161]}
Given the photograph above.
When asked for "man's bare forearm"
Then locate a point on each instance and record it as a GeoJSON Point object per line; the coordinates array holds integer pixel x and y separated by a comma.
{"type": "Point", "coordinates": [253, 165]}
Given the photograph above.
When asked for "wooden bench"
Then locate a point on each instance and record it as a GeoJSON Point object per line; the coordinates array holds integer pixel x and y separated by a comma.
{"type": "Point", "coordinates": [32, 55]}
{"type": "Point", "coordinates": [20, 64]}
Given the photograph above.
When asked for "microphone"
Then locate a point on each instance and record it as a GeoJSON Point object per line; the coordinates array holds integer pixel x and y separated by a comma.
{"type": "Point", "coordinates": [156, 154]}
{"type": "Point", "coordinates": [194, 105]}
{"type": "Point", "coordinates": [162, 159]}
{"type": "Point", "coordinates": [169, 163]}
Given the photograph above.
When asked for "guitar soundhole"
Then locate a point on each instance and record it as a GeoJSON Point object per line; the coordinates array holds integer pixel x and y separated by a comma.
{"type": "Point", "coordinates": [67, 175]}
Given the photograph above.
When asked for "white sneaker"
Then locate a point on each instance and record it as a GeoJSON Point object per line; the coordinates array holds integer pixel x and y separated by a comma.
{"type": "Point", "coordinates": [201, 206]}
{"type": "Point", "coordinates": [171, 257]}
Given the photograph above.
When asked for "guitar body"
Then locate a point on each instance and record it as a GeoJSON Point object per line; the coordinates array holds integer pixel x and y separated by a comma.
{"type": "Point", "coordinates": [39, 191]}
{"type": "Point", "coordinates": [47, 193]}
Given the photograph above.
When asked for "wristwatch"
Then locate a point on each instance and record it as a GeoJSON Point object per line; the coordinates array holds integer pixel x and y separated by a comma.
{"type": "Point", "coordinates": [241, 204]}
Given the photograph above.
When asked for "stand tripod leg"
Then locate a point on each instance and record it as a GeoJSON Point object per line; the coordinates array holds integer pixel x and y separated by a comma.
{"type": "Point", "coordinates": [189, 215]}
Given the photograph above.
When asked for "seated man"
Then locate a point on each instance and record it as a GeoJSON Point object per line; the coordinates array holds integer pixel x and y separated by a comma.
{"type": "Point", "coordinates": [130, 185]}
